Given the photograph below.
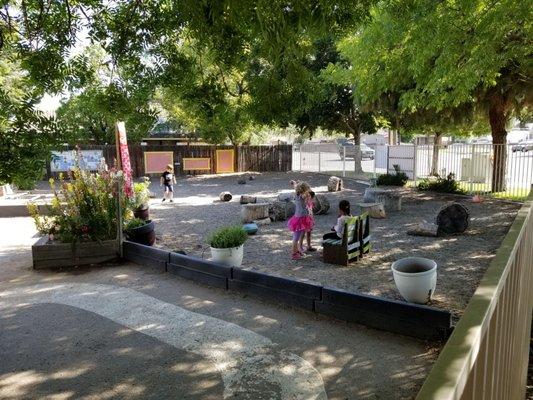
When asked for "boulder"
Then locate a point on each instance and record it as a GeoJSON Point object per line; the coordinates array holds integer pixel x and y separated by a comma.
{"type": "Point", "coordinates": [335, 184]}
{"type": "Point", "coordinates": [374, 210]}
{"type": "Point", "coordinates": [281, 210]}
{"type": "Point", "coordinates": [320, 204]}
{"type": "Point", "coordinates": [289, 196]}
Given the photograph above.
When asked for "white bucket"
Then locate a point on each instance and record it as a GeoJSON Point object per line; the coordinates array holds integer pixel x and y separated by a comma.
{"type": "Point", "coordinates": [415, 278]}
{"type": "Point", "coordinates": [231, 256]}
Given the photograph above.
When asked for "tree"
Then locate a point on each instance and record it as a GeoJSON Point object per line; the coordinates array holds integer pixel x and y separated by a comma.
{"type": "Point", "coordinates": [478, 53]}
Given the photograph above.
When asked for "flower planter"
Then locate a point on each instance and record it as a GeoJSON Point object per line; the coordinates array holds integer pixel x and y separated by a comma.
{"type": "Point", "coordinates": [55, 254]}
{"type": "Point", "coordinates": [230, 256]}
{"type": "Point", "coordinates": [415, 278]}
{"type": "Point", "coordinates": [142, 213]}
{"type": "Point", "coordinates": [143, 234]}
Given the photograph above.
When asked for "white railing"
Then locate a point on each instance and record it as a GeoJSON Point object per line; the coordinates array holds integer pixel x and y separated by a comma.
{"type": "Point", "coordinates": [473, 165]}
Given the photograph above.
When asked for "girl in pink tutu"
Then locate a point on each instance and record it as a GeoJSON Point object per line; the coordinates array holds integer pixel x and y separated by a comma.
{"type": "Point", "coordinates": [301, 221]}
{"type": "Point", "coordinates": [309, 204]}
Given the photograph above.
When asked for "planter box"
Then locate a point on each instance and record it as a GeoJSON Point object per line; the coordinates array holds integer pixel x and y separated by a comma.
{"type": "Point", "coordinates": [57, 255]}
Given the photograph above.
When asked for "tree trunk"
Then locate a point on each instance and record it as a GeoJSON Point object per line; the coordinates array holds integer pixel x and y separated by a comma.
{"type": "Point", "coordinates": [435, 159]}
{"type": "Point", "coordinates": [498, 120]}
{"type": "Point", "coordinates": [357, 158]}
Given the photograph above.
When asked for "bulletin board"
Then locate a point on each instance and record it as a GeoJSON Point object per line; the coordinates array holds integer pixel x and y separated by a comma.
{"type": "Point", "coordinates": [197, 164]}
{"type": "Point", "coordinates": [157, 161]}
{"type": "Point", "coordinates": [225, 161]}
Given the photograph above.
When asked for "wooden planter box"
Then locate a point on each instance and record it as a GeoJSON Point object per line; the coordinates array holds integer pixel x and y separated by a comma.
{"type": "Point", "coordinates": [56, 254]}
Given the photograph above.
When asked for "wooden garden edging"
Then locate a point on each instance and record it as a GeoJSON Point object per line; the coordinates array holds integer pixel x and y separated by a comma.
{"type": "Point", "coordinates": [487, 355]}
{"type": "Point", "coordinates": [394, 316]}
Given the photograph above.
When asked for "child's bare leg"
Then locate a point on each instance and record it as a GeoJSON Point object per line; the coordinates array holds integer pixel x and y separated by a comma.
{"type": "Point", "coordinates": [301, 243]}
{"type": "Point", "coordinates": [308, 237]}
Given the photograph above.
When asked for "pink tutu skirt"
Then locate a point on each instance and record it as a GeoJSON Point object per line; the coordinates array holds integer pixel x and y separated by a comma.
{"type": "Point", "coordinates": [304, 223]}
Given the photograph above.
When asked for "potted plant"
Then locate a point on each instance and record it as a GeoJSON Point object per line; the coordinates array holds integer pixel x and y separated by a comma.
{"type": "Point", "coordinates": [140, 199]}
{"type": "Point", "coordinates": [140, 231]}
{"type": "Point", "coordinates": [415, 278]}
{"type": "Point", "coordinates": [227, 245]}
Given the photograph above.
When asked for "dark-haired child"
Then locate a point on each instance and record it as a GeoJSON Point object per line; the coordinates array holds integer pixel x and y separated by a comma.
{"type": "Point", "coordinates": [338, 229]}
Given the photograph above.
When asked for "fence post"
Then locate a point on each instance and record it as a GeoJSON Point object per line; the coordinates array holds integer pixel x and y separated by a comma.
{"type": "Point", "coordinates": [300, 151]}
{"type": "Point", "coordinates": [343, 161]}
{"type": "Point", "coordinates": [415, 162]}
{"type": "Point", "coordinates": [471, 171]}
{"type": "Point", "coordinates": [319, 157]}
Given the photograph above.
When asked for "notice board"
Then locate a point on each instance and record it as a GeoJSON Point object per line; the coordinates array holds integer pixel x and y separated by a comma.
{"type": "Point", "coordinates": [155, 162]}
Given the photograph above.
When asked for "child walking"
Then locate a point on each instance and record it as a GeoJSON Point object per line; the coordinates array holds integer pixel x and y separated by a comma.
{"type": "Point", "coordinates": [338, 230]}
{"type": "Point", "coordinates": [309, 204]}
{"type": "Point", "coordinates": [167, 180]}
{"type": "Point", "coordinates": [301, 221]}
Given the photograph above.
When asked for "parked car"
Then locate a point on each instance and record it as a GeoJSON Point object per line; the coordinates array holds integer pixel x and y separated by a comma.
{"type": "Point", "coordinates": [346, 147]}
{"type": "Point", "coordinates": [524, 146]}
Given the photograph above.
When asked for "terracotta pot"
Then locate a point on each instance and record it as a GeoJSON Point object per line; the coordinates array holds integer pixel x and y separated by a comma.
{"type": "Point", "coordinates": [142, 213]}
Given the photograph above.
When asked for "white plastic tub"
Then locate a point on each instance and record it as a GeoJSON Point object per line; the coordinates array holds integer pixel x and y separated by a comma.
{"type": "Point", "coordinates": [231, 256]}
{"type": "Point", "coordinates": [415, 278]}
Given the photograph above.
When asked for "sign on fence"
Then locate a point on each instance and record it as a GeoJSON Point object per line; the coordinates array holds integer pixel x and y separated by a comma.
{"type": "Point", "coordinates": [67, 160]}
{"type": "Point", "coordinates": [225, 161]}
{"type": "Point", "coordinates": [157, 161]}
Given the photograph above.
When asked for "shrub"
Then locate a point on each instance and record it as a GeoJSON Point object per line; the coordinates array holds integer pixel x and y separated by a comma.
{"type": "Point", "coordinates": [83, 208]}
{"type": "Point", "coordinates": [227, 237]}
{"type": "Point", "coordinates": [399, 178]}
{"type": "Point", "coordinates": [442, 185]}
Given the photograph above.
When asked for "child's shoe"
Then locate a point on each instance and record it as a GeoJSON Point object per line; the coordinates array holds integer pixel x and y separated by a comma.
{"type": "Point", "coordinates": [311, 249]}
{"type": "Point", "coordinates": [297, 256]}
{"type": "Point", "coordinates": [172, 201]}
{"type": "Point", "coordinates": [163, 200]}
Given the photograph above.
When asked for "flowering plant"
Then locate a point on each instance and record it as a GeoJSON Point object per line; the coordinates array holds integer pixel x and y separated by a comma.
{"type": "Point", "coordinates": [83, 207]}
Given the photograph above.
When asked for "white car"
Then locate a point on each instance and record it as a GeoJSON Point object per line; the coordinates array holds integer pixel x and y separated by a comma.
{"type": "Point", "coordinates": [346, 147]}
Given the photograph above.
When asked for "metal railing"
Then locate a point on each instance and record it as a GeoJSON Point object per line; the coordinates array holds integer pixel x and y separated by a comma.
{"type": "Point", "coordinates": [495, 170]}
{"type": "Point", "coordinates": [486, 357]}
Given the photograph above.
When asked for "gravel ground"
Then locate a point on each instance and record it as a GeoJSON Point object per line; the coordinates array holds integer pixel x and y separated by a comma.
{"type": "Point", "coordinates": [462, 260]}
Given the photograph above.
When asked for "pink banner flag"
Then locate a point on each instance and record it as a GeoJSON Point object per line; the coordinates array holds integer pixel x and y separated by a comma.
{"type": "Point", "coordinates": [124, 157]}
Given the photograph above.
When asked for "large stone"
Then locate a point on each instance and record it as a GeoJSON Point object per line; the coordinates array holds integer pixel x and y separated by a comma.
{"type": "Point", "coordinates": [452, 218]}
{"type": "Point", "coordinates": [370, 194]}
{"type": "Point", "coordinates": [374, 210]}
{"type": "Point", "coordinates": [286, 196]}
{"type": "Point", "coordinates": [320, 204]}
{"type": "Point", "coordinates": [281, 210]}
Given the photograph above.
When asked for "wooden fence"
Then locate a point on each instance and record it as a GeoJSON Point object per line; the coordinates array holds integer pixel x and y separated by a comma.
{"type": "Point", "coordinates": [487, 355]}
{"type": "Point", "coordinates": [247, 158]}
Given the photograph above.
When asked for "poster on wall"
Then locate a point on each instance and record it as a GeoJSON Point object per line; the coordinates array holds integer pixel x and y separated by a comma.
{"type": "Point", "coordinates": [63, 161]}
{"type": "Point", "coordinates": [225, 161]}
{"type": "Point", "coordinates": [155, 162]}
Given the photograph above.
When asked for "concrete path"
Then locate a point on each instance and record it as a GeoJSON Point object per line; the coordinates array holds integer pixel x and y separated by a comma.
{"type": "Point", "coordinates": [130, 332]}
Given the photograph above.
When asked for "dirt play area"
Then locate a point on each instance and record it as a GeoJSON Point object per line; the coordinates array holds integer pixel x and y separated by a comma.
{"type": "Point", "coordinates": [462, 260]}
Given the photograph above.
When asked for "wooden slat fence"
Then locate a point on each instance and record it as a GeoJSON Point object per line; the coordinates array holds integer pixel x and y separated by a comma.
{"type": "Point", "coordinates": [247, 158]}
{"type": "Point", "coordinates": [487, 355]}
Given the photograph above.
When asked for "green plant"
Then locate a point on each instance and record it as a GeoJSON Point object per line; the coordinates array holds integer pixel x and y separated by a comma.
{"type": "Point", "coordinates": [399, 178]}
{"type": "Point", "coordinates": [227, 237]}
{"type": "Point", "coordinates": [442, 185]}
{"type": "Point", "coordinates": [141, 194]}
{"type": "Point", "coordinates": [133, 223]}
{"type": "Point", "coordinates": [83, 208]}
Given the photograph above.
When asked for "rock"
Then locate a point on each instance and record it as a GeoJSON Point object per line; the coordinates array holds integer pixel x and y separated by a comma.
{"type": "Point", "coordinates": [281, 210]}
{"type": "Point", "coordinates": [424, 229]}
{"type": "Point", "coordinates": [335, 184]}
{"type": "Point", "coordinates": [248, 199]}
{"type": "Point", "coordinates": [262, 221]}
{"type": "Point", "coordinates": [289, 196]}
{"type": "Point", "coordinates": [252, 212]}
{"type": "Point", "coordinates": [374, 210]}
{"type": "Point", "coordinates": [452, 218]}
{"type": "Point", "coordinates": [241, 181]}
{"type": "Point", "coordinates": [225, 196]}
{"type": "Point", "coordinates": [251, 178]}
{"type": "Point", "coordinates": [320, 204]}
{"type": "Point", "coordinates": [370, 194]}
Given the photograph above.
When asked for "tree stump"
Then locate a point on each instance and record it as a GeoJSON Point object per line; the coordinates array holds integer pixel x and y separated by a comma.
{"type": "Point", "coordinates": [248, 199]}
{"type": "Point", "coordinates": [370, 194]}
{"type": "Point", "coordinates": [374, 210]}
{"type": "Point", "coordinates": [320, 204]}
{"type": "Point", "coordinates": [424, 229]}
{"type": "Point", "coordinates": [286, 197]}
{"type": "Point", "coordinates": [252, 212]}
{"type": "Point", "coordinates": [452, 218]}
{"type": "Point", "coordinates": [391, 201]}
{"type": "Point", "coordinates": [262, 221]}
{"type": "Point", "coordinates": [225, 196]}
{"type": "Point", "coordinates": [335, 184]}
{"type": "Point", "coordinates": [281, 210]}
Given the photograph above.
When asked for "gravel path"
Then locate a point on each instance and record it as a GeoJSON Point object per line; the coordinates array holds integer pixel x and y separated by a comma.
{"type": "Point", "coordinates": [461, 260]}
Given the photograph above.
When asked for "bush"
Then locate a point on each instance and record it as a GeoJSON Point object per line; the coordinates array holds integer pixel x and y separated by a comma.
{"type": "Point", "coordinates": [399, 178]}
{"type": "Point", "coordinates": [448, 185]}
{"type": "Point", "coordinates": [227, 237]}
{"type": "Point", "coordinates": [84, 208]}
